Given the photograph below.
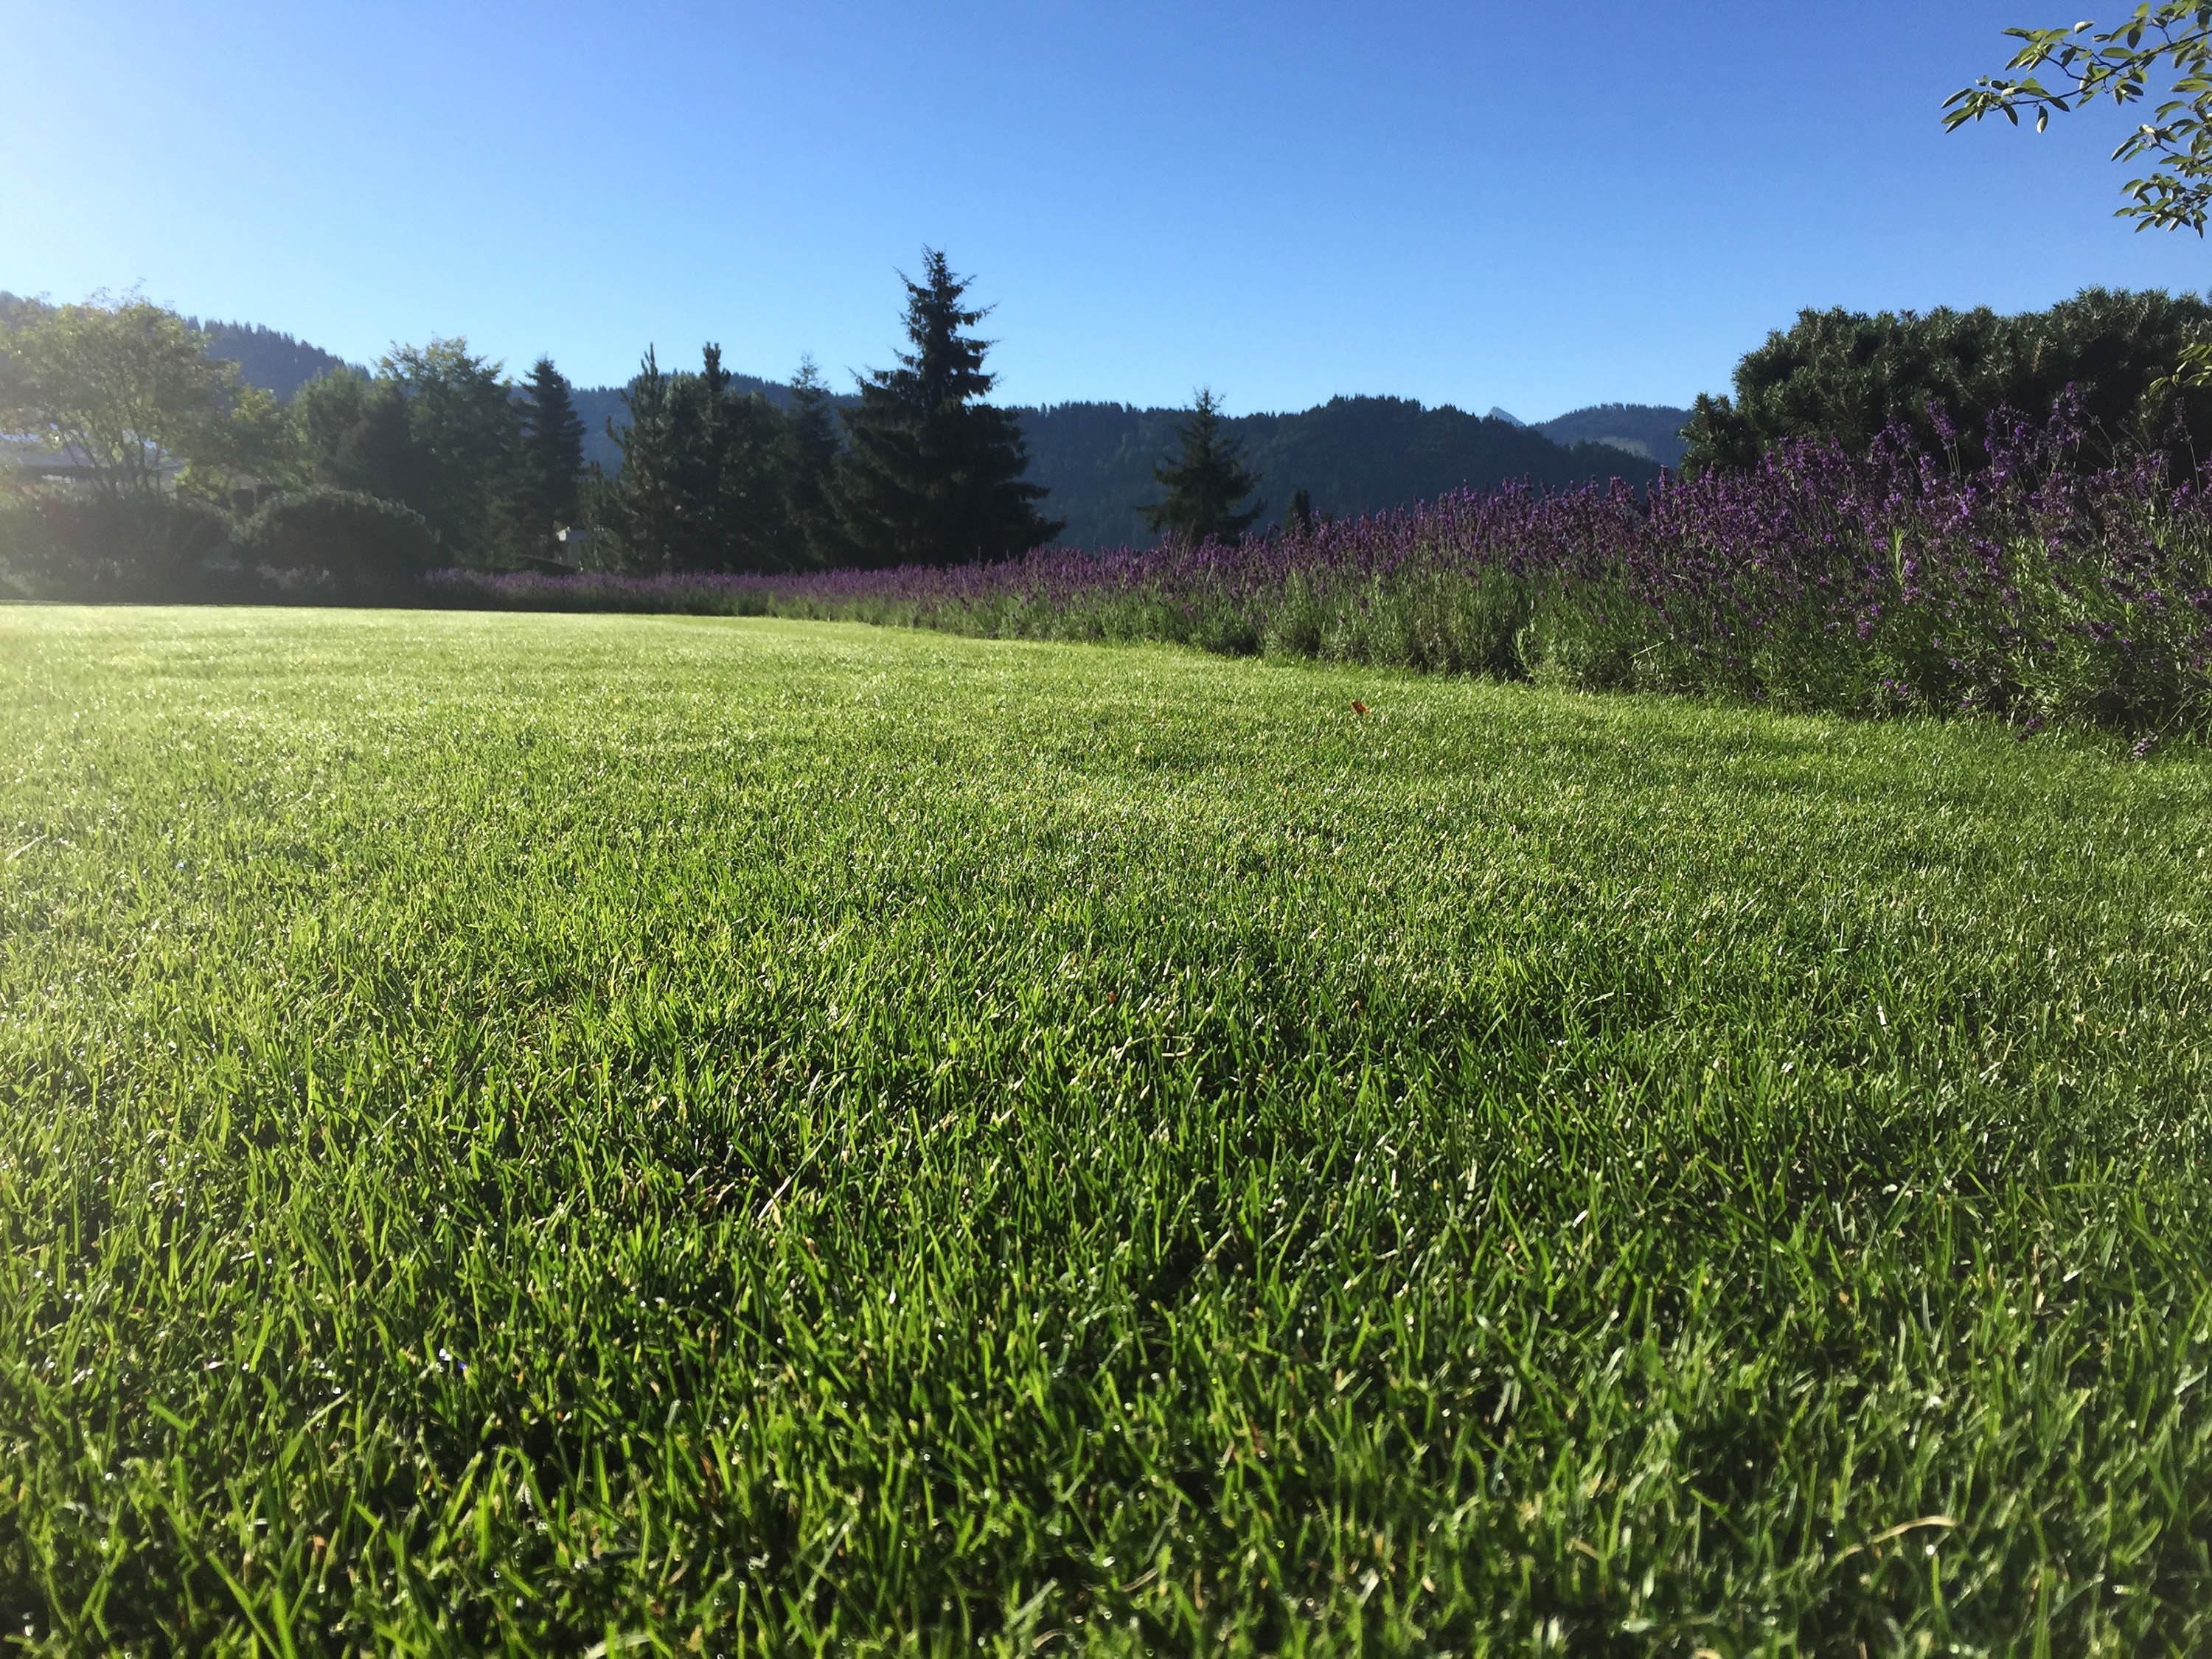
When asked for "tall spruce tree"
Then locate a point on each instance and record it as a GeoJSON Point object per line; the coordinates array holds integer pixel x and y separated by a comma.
{"type": "Point", "coordinates": [932, 474]}
{"type": "Point", "coordinates": [728, 508]}
{"type": "Point", "coordinates": [1205, 483]}
{"type": "Point", "coordinates": [640, 506]}
{"type": "Point", "coordinates": [552, 454]}
{"type": "Point", "coordinates": [700, 439]}
{"type": "Point", "coordinates": [699, 487]}
{"type": "Point", "coordinates": [808, 462]}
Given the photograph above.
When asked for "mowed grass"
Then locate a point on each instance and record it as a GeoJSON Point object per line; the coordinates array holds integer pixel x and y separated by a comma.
{"type": "Point", "coordinates": [534, 1132]}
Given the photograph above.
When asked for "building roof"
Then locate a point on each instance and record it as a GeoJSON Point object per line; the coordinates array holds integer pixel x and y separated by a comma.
{"type": "Point", "coordinates": [31, 454]}
{"type": "Point", "coordinates": [23, 453]}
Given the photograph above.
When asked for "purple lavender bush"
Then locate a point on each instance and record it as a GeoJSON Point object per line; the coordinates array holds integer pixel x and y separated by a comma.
{"type": "Point", "coordinates": [2032, 589]}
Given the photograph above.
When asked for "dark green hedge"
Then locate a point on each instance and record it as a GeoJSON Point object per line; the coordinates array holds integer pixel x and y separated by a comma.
{"type": "Point", "coordinates": [1843, 376]}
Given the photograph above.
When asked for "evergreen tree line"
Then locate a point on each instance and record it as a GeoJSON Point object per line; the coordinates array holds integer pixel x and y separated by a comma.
{"type": "Point", "coordinates": [712, 478]}
{"type": "Point", "coordinates": [921, 470]}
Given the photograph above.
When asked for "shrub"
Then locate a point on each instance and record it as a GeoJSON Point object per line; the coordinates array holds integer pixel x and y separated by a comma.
{"type": "Point", "coordinates": [120, 546]}
{"type": "Point", "coordinates": [363, 544]}
{"type": "Point", "coordinates": [28, 552]}
{"type": "Point", "coordinates": [1845, 377]}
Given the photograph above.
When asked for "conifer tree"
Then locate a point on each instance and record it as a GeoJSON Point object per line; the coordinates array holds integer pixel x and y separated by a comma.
{"type": "Point", "coordinates": [552, 454]}
{"type": "Point", "coordinates": [933, 474]}
{"type": "Point", "coordinates": [1205, 483]}
{"type": "Point", "coordinates": [700, 440]}
{"type": "Point", "coordinates": [749, 484]}
{"type": "Point", "coordinates": [698, 489]}
{"type": "Point", "coordinates": [642, 504]}
{"type": "Point", "coordinates": [728, 510]}
{"type": "Point", "coordinates": [807, 461]}
{"type": "Point", "coordinates": [1299, 517]}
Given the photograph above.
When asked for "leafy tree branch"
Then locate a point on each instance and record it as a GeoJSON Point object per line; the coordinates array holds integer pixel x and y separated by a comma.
{"type": "Point", "coordinates": [2170, 42]}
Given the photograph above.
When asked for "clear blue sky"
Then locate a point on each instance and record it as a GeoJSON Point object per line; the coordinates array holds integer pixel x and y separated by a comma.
{"type": "Point", "coordinates": [1538, 206]}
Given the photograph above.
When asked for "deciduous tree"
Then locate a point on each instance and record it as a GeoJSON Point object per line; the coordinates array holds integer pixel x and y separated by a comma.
{"type": "Point", "coordinates": [2169, 42]}
{"type": "Point", "coordinates": [462, 414]}
{"type": "Point", "coordinates": [127, 388]}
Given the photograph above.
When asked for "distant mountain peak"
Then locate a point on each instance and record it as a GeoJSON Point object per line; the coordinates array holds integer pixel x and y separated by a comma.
{"type": "Point", "coordinates": [1504, 415]}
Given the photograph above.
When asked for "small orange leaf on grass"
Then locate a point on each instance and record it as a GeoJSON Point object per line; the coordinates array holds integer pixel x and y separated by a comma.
{"type": "Point", "coordinates": [1358, 707]}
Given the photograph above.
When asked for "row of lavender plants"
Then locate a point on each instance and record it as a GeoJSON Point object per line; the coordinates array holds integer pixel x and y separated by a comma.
{"type": "Point", "coordinates": [2034, 589]}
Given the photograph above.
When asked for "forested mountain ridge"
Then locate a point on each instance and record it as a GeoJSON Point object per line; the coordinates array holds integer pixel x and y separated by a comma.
{"type": "Point", "coordinates": [1352, 455]}
{"type": "Point", "coordinates": [273, 360]}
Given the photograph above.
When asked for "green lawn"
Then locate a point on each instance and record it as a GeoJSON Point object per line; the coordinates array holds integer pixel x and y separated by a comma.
{"type": "Point", "coordinates": [531, 1132]}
